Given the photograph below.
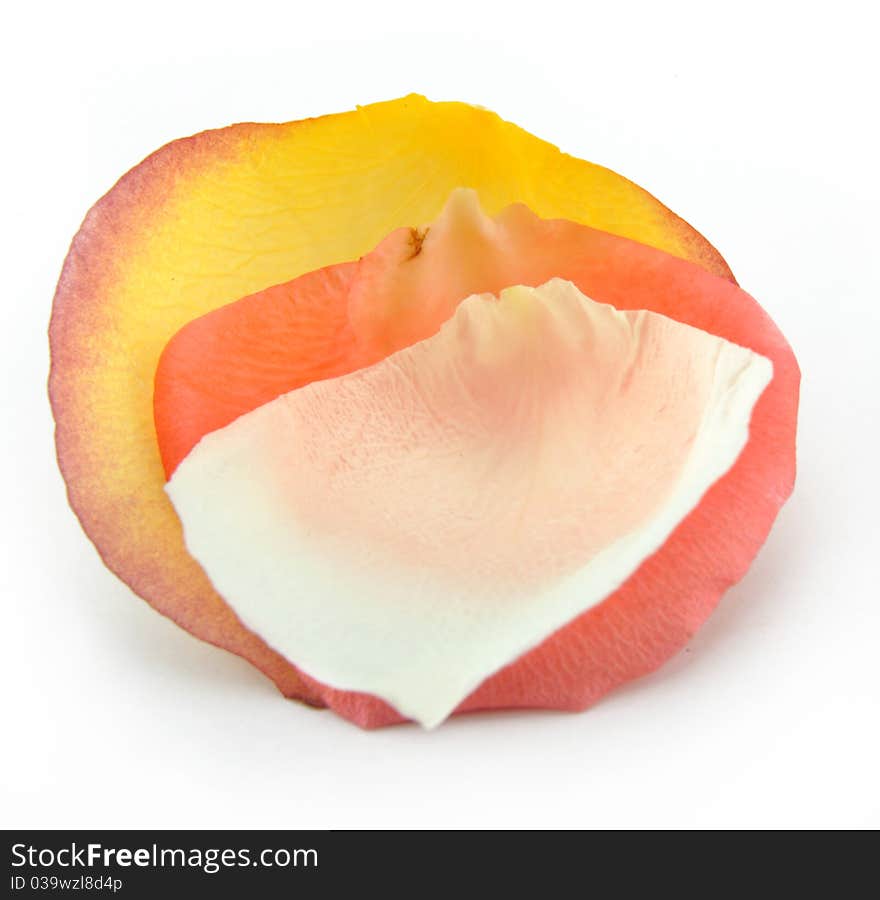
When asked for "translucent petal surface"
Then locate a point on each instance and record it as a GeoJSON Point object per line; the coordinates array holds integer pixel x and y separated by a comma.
{"type": "Point", "coordinates": [408, 529]}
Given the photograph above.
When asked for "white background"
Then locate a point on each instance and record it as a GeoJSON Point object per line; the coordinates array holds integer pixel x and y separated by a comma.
{"type": "Point", "coordinates": [758, 125]}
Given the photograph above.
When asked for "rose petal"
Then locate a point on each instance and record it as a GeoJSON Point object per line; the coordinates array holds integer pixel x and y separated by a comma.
{"type": "Point", "coordinates": [409, 529]}
{"type": "Point", "coordinates": [215, 217]}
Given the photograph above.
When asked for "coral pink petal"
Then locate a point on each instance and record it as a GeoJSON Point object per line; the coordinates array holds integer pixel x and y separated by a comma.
{"type": "Point", "coordinates": [653, 614]}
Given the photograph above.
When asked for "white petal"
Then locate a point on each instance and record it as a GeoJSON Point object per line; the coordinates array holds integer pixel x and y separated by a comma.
{"type": "Point", "coordinates": [410, 528]}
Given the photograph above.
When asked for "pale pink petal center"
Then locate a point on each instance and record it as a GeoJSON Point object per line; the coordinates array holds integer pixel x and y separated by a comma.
{"type": "Point", "coordinates": [409, 528]}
